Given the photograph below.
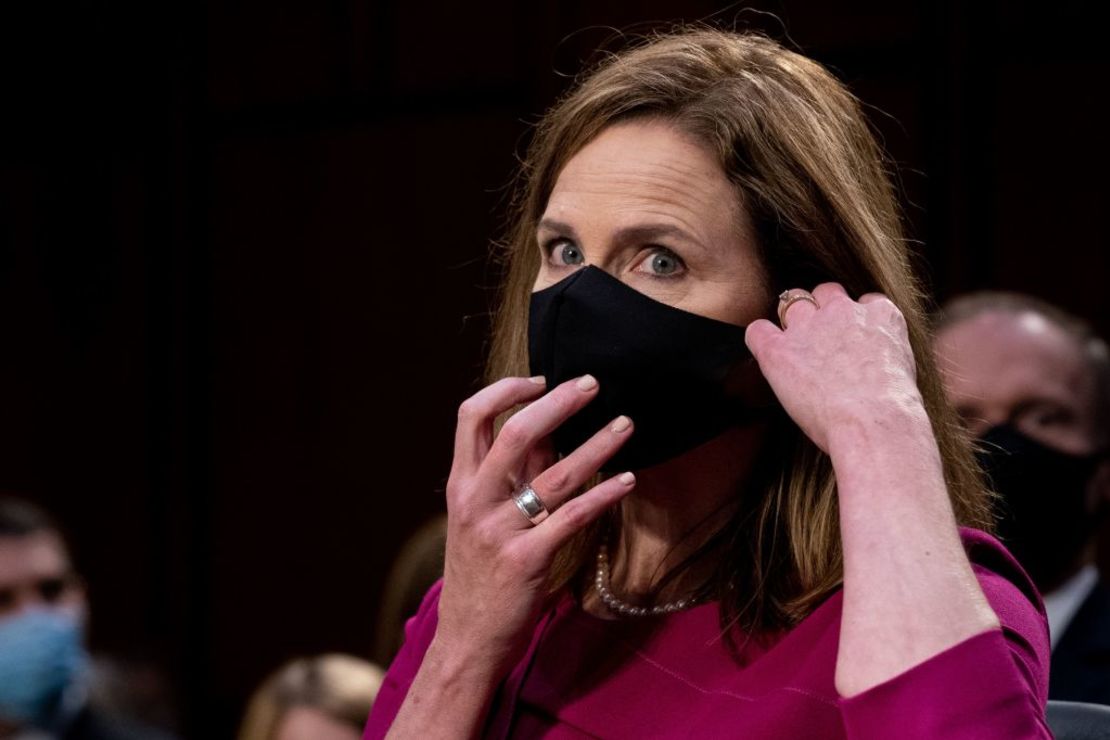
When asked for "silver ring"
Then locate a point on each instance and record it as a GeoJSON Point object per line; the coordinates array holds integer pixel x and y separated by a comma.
{"type": "Point", "coordinates": [530, 505]}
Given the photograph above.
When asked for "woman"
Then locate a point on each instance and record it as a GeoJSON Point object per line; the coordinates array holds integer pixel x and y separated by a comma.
{"type": "Point", "coordinates": [323, 698]}
{"type": "Point", "coordinates": [754, 567]}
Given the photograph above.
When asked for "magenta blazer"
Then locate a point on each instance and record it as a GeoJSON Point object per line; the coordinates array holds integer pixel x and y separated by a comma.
{"type": "Point", "coordinates": [673, 677]}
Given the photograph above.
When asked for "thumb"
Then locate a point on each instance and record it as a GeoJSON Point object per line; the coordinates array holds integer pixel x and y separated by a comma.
{"type": "Point", "coordinates": [760, 336]}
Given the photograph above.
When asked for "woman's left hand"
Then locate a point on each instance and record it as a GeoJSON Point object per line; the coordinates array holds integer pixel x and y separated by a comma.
{"type": "Point", "coordinates": [843, 363]}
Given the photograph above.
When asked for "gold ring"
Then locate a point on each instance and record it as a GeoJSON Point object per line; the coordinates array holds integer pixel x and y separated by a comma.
{"type": "Point", "coordinates": [789, 297]}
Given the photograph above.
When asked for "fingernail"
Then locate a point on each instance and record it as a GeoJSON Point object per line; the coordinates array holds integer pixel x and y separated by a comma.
{"type": "Point", "coordinates": [621, 424]}
{"type": "Point", "coordinates": [626, 478]}
{"type": "Point", "coordinates": [587, 383]}
{"type": "Point", "coordinates": [538, 380]}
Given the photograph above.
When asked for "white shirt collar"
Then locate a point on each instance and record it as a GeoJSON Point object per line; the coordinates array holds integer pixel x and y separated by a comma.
{"type": "Point", "coordinates": [1062, 604]}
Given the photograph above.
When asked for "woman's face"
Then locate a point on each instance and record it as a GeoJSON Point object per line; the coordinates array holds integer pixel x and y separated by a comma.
{"type": "Point", "coordinates": [651, 206]}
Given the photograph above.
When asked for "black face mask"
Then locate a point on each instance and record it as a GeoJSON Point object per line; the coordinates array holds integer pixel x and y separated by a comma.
{"type": "Point", "coordinates": [1043, 516]}
{"type": "Point", "coordinates": [681, 377]}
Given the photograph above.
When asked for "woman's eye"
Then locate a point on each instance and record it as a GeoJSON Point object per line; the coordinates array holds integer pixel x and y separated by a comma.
{"type": "Point", "coordinates": [566, 253]}
{"type": "Point", "coordinates": [663, 262]}
{"type": "Point", "coordinates": [1046, 416]}
{"type": "Point", "coordinates": [1050, 418]}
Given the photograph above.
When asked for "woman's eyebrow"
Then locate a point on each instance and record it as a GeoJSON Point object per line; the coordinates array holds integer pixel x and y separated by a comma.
{"type": "Point", "coordinates": [637, 233]}
{"type": "Point", "coordinates": [1038, 402]}
{"type": "Point", "coordinates": [551, 224]}
{"type": "Point", "coordinates": [651, 232]}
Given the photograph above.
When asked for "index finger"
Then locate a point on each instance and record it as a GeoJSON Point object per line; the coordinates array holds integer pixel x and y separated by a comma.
{"type": "Point", "coordinates": [474, 430]}
{"type": "Point", "coordinates": [526, 428]}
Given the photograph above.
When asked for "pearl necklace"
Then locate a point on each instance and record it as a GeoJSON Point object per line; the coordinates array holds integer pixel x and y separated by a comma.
{"type": "Point", "coordinates": [618, 606]}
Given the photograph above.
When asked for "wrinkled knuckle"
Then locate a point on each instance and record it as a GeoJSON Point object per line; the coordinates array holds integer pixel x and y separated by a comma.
{"type": "Point", "coordinates": [886, 308]}
{"type": "Point", "coordinates": [880, 301]}
{"type": "Point", "coordinates": [513, 554]}
{"type": "Point", "coordinates": [575, 514]}
{"type": "Point", "coordinates": [514, 436]}
{"type": "Point", "coordinates": [504, 560]}
{"type": "Point", "coordinates": [470, 410]}
{"type": "Point", "coordinates": [454, 493]}
{"type": "Point", "coordinates": [851, 312]}
{"type": "Point", "coordinates": [556, 480]}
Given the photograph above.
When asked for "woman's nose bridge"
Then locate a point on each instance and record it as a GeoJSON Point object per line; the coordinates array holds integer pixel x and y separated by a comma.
{"type": "Point", "coordinates": [601, 255]}
{"type": "Point", "coordinates": [611, 270]}
{"type": "Point", "coordinates": [606, 246]}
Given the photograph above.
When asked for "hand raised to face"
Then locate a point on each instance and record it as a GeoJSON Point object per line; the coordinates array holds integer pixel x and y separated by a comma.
{"type": "Point", "coordinates": [837, 361]}
{"type": "Point", "coordinates": [497, 561]}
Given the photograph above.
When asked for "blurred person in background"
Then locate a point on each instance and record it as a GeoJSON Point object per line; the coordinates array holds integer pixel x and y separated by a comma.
{"type": "Point", "coordinates": [1033, 384]}
{"type": "Point", "coordinates": [417, 567]}
{"type": "Point", "coordinates": [323, 698]}
{"type": "Point", "coordinates": [45, 672]}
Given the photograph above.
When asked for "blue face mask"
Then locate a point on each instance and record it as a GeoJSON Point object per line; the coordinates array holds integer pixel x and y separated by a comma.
{"type": "Point", "coordinates": [41, 654]}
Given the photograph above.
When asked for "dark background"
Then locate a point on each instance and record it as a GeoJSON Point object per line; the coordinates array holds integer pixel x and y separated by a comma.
{"type": "Point", "coordinates": [243, 284]}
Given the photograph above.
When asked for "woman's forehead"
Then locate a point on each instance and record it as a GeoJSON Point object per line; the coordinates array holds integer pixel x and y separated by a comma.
{"type": "Point", "coordinates": [649, 157]}
{"type": "Point", "coordinates": [646, 169]}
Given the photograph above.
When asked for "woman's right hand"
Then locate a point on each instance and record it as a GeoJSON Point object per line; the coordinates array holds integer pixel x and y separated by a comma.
{"type": "Point", "coordinates": [497, 561]}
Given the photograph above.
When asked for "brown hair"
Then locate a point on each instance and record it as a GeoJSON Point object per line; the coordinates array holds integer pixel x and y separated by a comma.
{"type": "Point", "coordinates": [417, 566]}
{"type": "Point", "coordinates": [341, 686]}
{"type": "Point", "coordinates": [806, 167]}
{"type": "Point", "coordinates": [21, 518]}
